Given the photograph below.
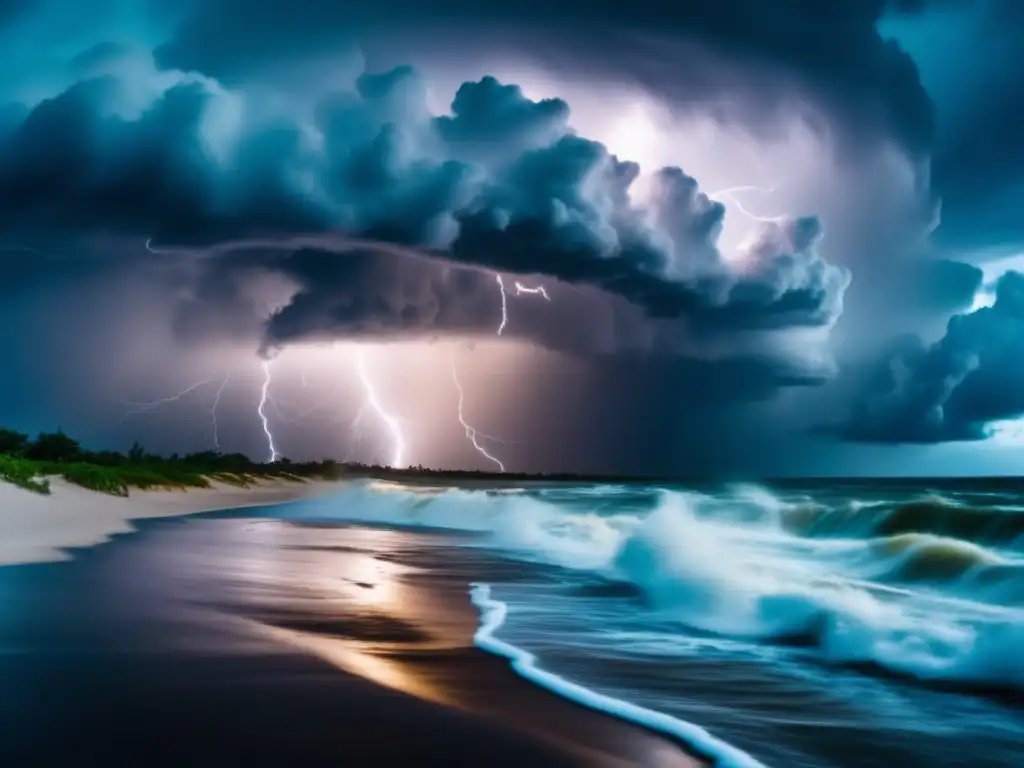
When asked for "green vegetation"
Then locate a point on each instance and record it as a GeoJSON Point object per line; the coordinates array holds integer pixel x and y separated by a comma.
{"type": "Point", "coordinates": [30, 463]}
{"type": "Point", "coordinates": [22, 472]}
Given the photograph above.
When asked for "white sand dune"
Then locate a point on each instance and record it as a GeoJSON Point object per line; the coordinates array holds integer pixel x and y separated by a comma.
{"type": "Point", "coordinates": [35, 528]}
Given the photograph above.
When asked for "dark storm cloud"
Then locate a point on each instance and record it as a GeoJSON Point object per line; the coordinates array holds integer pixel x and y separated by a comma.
{"type": "Point", "coordinates": [952, 389]}
{"type": "Point", "coordinates": [361, 291]}
{"type": "Point", "coordinates": [942, 286]}
{"type": "Point", "coordinates": [559, 206]}
{"type": "Point", "coordinates": [748, 57]}
{"type": "Point", "coordinates": [916, 292]}
{"type": "Point", "coordinates": [669, 340]}
{"type": "Point", "coordinates": [979, 150]}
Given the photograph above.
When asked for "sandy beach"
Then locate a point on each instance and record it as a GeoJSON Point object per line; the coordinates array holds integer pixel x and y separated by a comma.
{"type": "Point", "coordinates": [225, 641]}
{"type": "Point", "coordinates": [37, 528]}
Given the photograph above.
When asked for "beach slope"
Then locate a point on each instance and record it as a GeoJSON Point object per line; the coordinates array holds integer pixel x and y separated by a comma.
{"type": "Point", "coordinates": [38, 528]}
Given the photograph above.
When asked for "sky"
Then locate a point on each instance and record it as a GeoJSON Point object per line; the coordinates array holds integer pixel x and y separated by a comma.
{"type": "Point", "coordinates": [733, 237]}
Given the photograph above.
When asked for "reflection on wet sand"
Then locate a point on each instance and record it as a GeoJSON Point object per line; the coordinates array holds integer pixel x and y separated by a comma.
{"type": "Point", "coordinates": [362, 600]}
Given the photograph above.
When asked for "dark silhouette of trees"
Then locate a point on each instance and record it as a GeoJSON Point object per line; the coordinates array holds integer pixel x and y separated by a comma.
{"type": "Point", "coordinates": [12, 443]}
{"type": "Point", "coordinates": [53, 446]}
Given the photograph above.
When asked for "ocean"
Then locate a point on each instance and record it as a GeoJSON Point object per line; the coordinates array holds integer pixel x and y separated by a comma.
{"type": "Point", "coordinates": [806, 624]}
{"type": "Point", "coordinates": [813, 624]}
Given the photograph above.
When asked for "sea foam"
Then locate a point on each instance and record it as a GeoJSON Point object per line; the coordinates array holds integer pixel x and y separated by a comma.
{"type": "Point", "coordinates": [748, 576]}
{"type": "Point", "coordinates": [493, 613]}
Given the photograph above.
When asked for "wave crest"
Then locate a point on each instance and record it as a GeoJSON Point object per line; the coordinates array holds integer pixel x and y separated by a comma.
{"type": "Point", "coordinates": [712, 573]}
{"type": "Point", "coordinates": [932, 515]}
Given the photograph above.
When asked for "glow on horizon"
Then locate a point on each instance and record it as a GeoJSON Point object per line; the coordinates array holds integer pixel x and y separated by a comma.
{"type": "Point", "coordinates": [411, 381]}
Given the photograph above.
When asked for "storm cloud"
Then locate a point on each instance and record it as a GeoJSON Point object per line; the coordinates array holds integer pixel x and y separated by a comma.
{"type": "Point", "coordinates": [535, 199]}
{"type": "Point", "coordinates": [746, 59]}
{"type": "Point", "coordinates": [953, 389]}
{"type": "Point", "coordinates": [271, 182]}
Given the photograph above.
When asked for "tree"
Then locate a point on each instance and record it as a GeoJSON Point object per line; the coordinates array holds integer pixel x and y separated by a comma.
{"type": "Point", "coordinates": [53, 446]}
{"type": "Point", "coordinates": [11, 442]}
{"type": "Point", "coordinates": [136, 452]}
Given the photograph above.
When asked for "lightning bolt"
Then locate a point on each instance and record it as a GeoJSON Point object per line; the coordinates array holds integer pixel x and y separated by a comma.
{"type": "Point", "coordinates": [274, 455]}
{"type": "Point", "coordinates": [730, 194]}
{"type": "Point", "coordinates": [213, 409]}
{"type": "Point", "coordinates": [521, 289]}
{"type": "Point", "coordinates": [504, 305]}
{"type": "Point", "coordinates": [472, 433]}
{"type": "Point", "coordinates": [392, 424]}
{"type": "Point", "coordinates": [139, 408]}
{"type": "Point", "coordinates": [149, 247]}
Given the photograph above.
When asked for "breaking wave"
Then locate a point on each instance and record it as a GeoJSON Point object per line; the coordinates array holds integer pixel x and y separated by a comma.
{"type": "Point", "coordinates": [928, 590]}
{"type": "Point", "coordinates": [996, 525]}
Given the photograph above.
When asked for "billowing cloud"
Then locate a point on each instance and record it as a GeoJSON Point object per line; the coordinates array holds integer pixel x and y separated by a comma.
{"type": "Point", "coordinates": [747, 59]}
{"type": "Point", "coordinates": [500, 184]}
{"type": "Point", "coordinates": [969, 57]}
{"type": "Point", "coordinates": [955, 388]}
{"type": "Point", "coordinates": [300, 180]}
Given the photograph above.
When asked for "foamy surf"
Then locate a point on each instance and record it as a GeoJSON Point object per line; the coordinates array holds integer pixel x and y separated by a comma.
{"type": "Point", "coordinates": [737, 613]}
{"type": "Point", "coordinates": [524, 663]}
{"type": "Point", "coordinates": [728, 565]}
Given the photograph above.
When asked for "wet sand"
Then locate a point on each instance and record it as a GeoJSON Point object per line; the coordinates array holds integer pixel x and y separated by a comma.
{"type": "Point", "coordinates": [234, 641]}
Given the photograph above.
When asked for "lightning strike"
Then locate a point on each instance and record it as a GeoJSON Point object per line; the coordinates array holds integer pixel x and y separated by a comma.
{"type": "Point", "coordinates": [504, 305]}
{"type": "Point", "coordinates": [521, 289]}
{"type": "Point", "coordinates": [392, 424]}
{"type": "Point", "coordinates": [274, 455]}
{"type": "Point", "coordinates": [730, 194]}
{"type": "Point", "coordinates": [472, 433]}
{"type": "Point", "coordinates": [149, 247]}
{"type": "Point", "coordinates": [213, 409]}
{"type": "Point", "coordinates": [139, 408]}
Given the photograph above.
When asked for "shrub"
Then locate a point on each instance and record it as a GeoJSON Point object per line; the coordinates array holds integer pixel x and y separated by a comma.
{"type": "Point", "coordinates": [23, 473]}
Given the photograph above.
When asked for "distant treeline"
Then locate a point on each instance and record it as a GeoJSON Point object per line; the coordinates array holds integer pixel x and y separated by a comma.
{"type": "Point", "coordinates": [28, 462]}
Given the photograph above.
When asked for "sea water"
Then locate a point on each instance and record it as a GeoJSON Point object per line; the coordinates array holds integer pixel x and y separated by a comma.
{"type": "Point", "coordinates": [817, 624]}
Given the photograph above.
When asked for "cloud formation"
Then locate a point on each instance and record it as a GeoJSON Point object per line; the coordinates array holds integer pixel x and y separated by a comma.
{"type": "Point", "coordinates": [747, 59]}
{"type": "Point", "coordinates": [296, 183]}
{"type": "Point", "coordinates": [953, 389]}
{"type": "Point", "coordinates": [502, 183]}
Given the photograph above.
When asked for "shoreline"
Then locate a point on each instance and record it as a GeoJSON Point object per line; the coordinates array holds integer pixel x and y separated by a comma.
{"type": "Point", "coordinates": [426, 652]}
{"type": "Point", "coordinates": [422, 642]}
{"type": "Point", "coordinates": [38, 528]}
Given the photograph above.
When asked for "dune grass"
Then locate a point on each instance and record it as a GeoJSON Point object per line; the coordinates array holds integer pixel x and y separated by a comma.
{"type": "Point", "coordinates": [23, 473]}
{"type": "Point", "coordinates": [31, 463]}
{"type": "Point", "coordinates": [118, 480]}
